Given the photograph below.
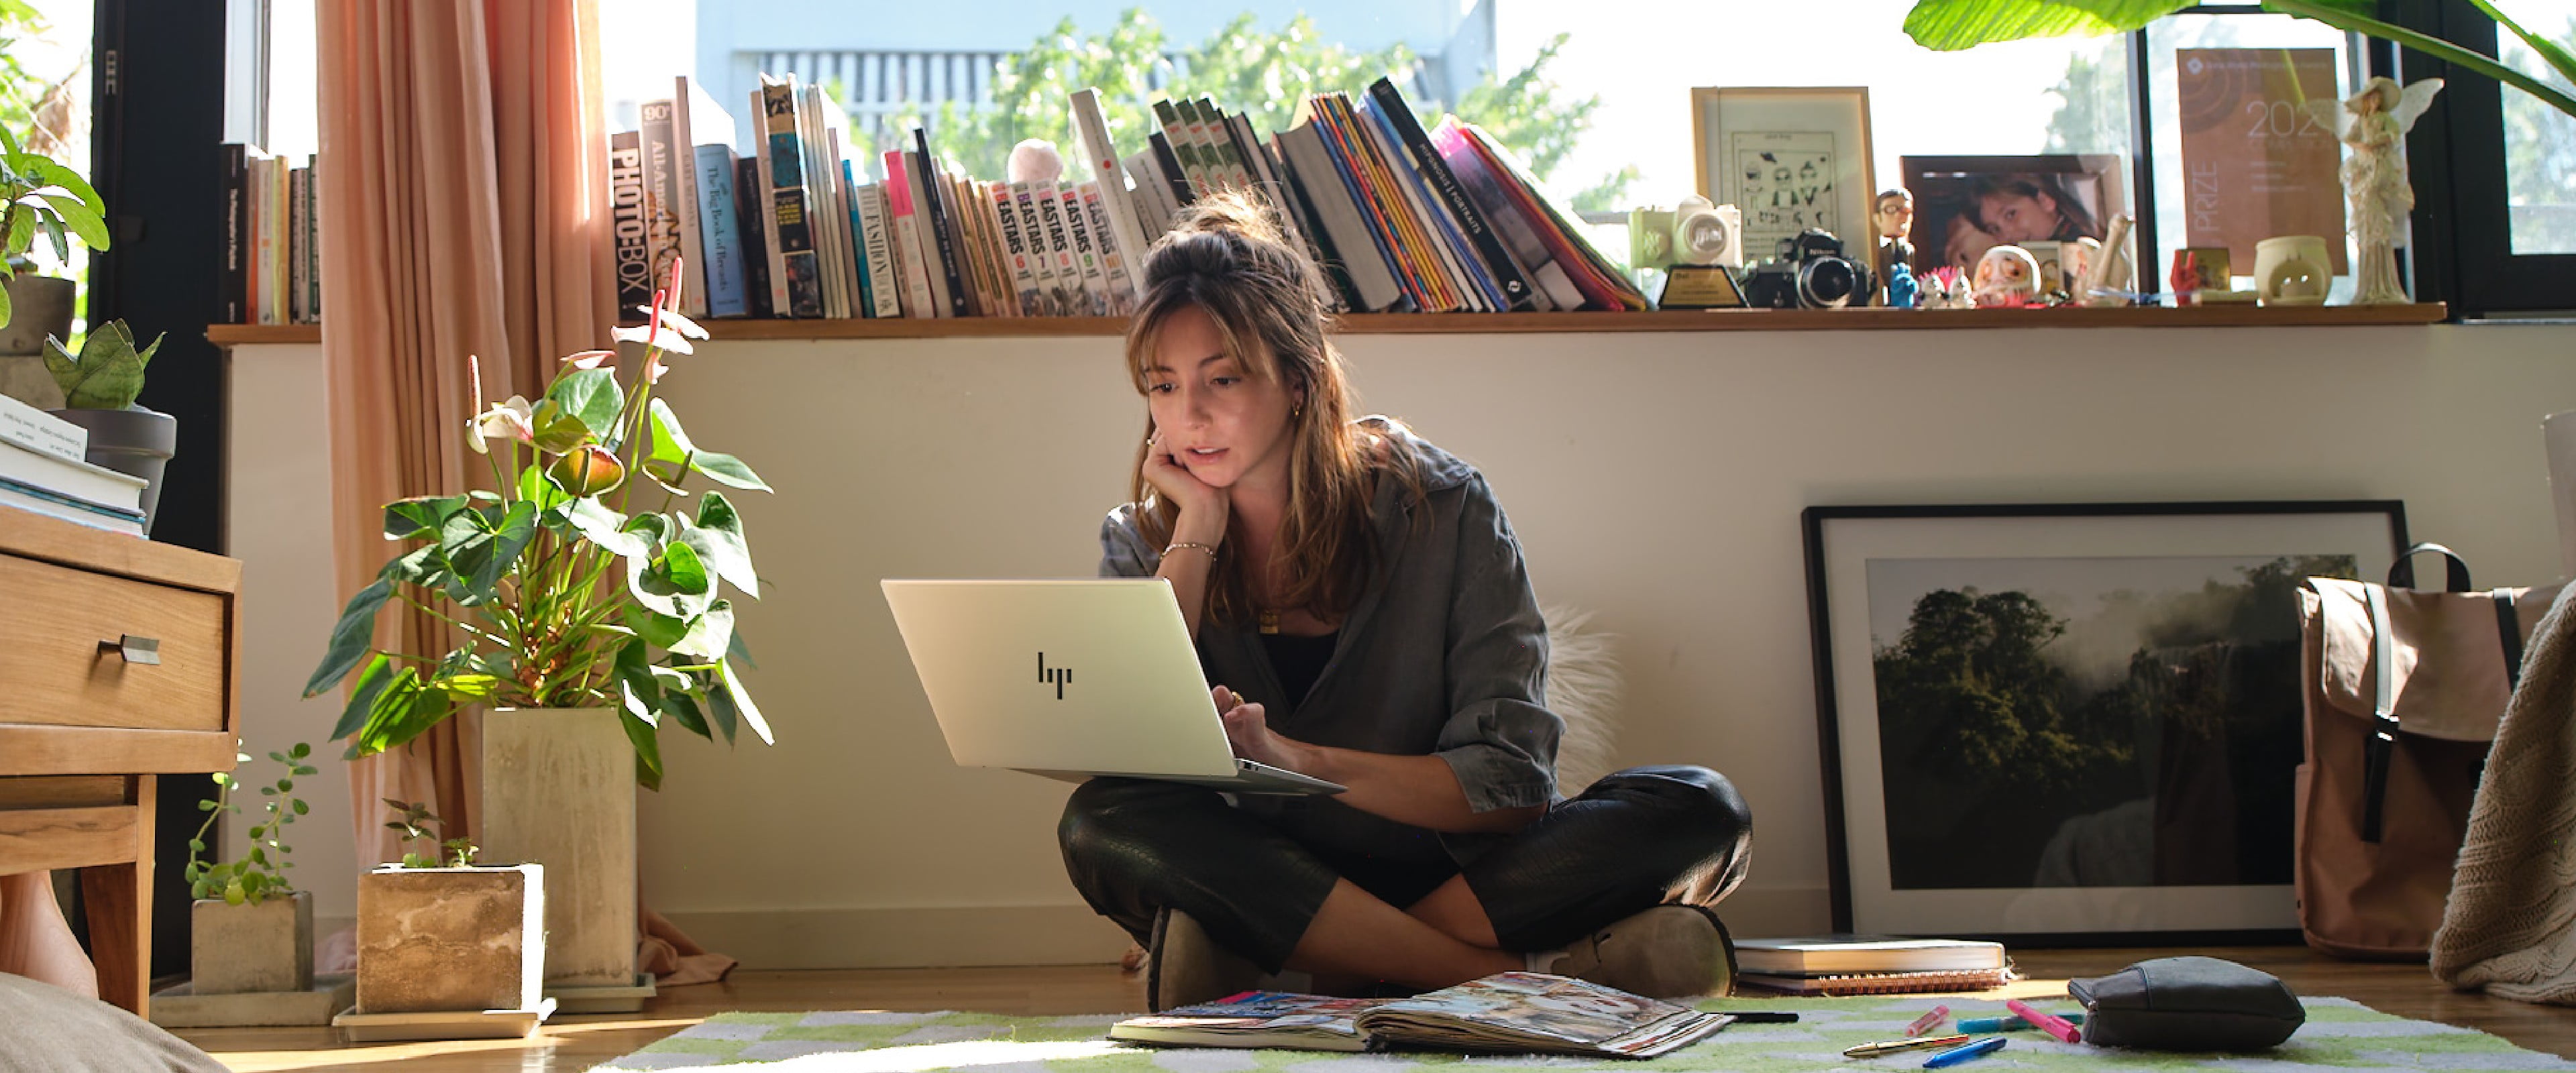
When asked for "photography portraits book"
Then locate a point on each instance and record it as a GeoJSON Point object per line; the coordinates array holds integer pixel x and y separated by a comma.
{"type": "Point", "coordinates": [1507, 1013]}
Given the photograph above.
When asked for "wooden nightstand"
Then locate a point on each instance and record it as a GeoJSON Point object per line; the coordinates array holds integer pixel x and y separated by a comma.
{"type": "Point", "coordinates": [118, 661]}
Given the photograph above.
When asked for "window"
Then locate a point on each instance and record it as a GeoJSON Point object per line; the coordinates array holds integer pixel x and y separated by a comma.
{"type": "Point", "coordinates": [44, 99]}
{"type": "Point", "coordinates": [2540, 141]}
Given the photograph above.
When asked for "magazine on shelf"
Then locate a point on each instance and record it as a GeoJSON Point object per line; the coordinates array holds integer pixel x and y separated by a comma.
{"type": "Point", "coordinates": [1507, 1013]}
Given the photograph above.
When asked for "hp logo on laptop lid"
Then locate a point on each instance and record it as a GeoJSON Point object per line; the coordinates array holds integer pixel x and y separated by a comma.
{"type": "Point", "coordinates": [1054, 676]}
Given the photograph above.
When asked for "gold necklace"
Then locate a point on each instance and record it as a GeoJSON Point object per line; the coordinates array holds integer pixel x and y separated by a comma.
{"type": "Point", "coordinates": [1269, 620]}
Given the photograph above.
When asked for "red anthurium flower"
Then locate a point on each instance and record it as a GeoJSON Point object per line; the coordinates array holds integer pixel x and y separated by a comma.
{"type": "Point", "coordinates": [588, 470]}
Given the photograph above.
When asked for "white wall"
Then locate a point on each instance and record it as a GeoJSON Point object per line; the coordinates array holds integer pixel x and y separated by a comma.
{"type": "Point", "coordinates": [1656, 478]}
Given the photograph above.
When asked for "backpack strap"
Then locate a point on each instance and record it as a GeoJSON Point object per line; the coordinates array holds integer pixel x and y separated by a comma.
{"type": "Point", "coordinates": [2376, 751]}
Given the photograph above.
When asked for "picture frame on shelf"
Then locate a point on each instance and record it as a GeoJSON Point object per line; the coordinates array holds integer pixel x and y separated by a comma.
{"type": "Point", "coordinates": [2069, 724]}
{"type": "Point", "coordinates": [1791, 157]}
{"type": "Point", "coordinates": [1966, 205]}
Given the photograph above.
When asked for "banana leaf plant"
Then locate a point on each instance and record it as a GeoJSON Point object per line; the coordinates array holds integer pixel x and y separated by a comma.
{"type": "Point", "coordinates": [588, 575]}
{"type": "Point", "coordinates": [41, 197]}
{"type": "Point", "coordinates": [1950, 25]}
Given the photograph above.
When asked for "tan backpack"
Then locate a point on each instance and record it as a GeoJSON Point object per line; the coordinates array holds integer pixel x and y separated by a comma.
{"type": "Point", "coordinates": [2403, 690]}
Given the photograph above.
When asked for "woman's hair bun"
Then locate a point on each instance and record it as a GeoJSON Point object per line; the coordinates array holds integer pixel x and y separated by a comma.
{"type": "Point", "coordinates": [1225, 234]}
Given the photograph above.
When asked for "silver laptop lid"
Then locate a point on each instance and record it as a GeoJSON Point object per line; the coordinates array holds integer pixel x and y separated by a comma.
{"type": "Point", "coordinates": [1071, 675]}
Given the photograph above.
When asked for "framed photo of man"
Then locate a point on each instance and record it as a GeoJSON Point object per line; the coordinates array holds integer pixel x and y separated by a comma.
{"type": "Point", "coordinates": [1792, 158]}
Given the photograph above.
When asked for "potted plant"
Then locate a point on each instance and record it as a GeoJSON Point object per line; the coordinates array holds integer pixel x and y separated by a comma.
{"type": "Point", "coordinates": [584, 587]}
{"type": "Point", "coordinates": [99, 388]}
{"type": "Point", "coordinates": [447, 948]}
{"type": "Point", "coordinates": [250, 930]}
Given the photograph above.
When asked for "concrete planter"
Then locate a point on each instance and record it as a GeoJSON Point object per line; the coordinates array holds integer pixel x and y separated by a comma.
{"type": "Point", "coordinates": [451, 940]}
{"type": "Point", "coordinates": [246, 949]}
{"type": "Point", "coordinates": [40, 306]}
{"type": "Point", "coordinates": [559, 790]}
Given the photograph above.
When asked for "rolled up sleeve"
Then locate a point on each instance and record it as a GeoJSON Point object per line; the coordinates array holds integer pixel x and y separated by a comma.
{"type": "Point", "coordinates": [1500, 738]}
{"type": "Point", "coordinates": [1122, 549]}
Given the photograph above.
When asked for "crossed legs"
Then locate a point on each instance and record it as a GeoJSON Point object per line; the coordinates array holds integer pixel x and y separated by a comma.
{"type": "Point", "coordinates": [1633, 840]}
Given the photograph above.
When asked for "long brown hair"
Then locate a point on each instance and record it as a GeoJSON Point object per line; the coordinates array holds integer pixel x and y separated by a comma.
{"type": "Point", "coordinates": [1226, 257]}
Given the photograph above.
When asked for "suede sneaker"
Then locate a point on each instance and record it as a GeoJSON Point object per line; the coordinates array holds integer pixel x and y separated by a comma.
{"type": "Point", "coordinates": [1186, 967]}
{"type": "Point", "coordinates": [1667, 952]}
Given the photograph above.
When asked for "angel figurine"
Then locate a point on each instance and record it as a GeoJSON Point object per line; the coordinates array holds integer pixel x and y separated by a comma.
{"type": "Point", "coordinates": [2375, 183]}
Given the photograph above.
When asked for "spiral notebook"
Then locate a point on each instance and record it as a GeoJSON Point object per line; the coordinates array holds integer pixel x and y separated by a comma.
{"type": "Point", "coordinates": [1882, 983]}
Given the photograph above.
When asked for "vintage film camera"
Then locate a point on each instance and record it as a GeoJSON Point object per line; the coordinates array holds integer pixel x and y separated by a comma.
{"type": "Point", "coordinates": [1810, 273]}
{"type": "Point", "coordinates": [1692, 233]}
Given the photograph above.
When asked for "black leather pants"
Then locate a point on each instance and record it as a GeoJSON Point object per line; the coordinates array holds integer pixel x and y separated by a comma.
{"type": "Point", "coordinates": [1635, 839]}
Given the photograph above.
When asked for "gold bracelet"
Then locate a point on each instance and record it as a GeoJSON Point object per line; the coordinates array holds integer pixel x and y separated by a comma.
{"type": "Point", "coordinates": [1208, 548]}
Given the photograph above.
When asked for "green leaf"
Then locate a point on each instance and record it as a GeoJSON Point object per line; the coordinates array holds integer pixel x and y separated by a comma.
{"type": "Point", "coordinates": [463, 687]}
{"type": "Point", "coordinates": [742, 702]}
{"type": "Point", "coordinates": [724, 546]}
{"type": "Point", "coordinates": [403, 711]}
{"type": "Point", "coordinates": [350, 637]}
{"type": "Point", "coordinates": [2337, 14]}
{"type": "Point", "coordinates": [1950, 25]}
{"type": "Point", "coordinates": [672, 452]}
{"type": "Point", "coordinates": [721, 712]}
{"type": "Point", "coordinates": [46, 172]}
{"type": "Point", "coordinates": [2555, 54]}
{"type": "Point", "coordinates": [555, 430]}
{"type": "Point", "coordinates": [639, 694]}
{"type": "Point", "coordinates": [674, 582]}
{"type": "Point", "coordinates": [648, 749]}
{"type": "Point", "coordinates": [682, 708]}
{"type": "Point", "coordinates": [535, 488]}
{"type": "Point", "coordinates": [657, 629]}
{"type": "Point", "coordinates": [708, 634]}
{"type": "Point", "coordinates": [606, 528]}
{"type": "Point", "coordinates": [84, 223]}
{"type": "Point", "coordinates": [592, 397]}
{"type": "Point", "coordinates": [107, 375]}
{"type": "Point", "coordinates": [362, 699]}
{"type": "Point", "coordinates": [421, 517]}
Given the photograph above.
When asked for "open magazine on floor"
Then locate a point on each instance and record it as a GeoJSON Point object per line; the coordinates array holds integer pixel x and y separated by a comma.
{"type": "Point", "coordinates": [1507, 1013]}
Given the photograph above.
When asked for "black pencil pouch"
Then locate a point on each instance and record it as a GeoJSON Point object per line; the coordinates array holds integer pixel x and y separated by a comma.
{"type": "Point", "coordinates": [2188, 1004]}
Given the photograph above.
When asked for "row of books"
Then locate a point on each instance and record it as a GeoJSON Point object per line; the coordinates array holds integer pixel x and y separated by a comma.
{"type": "Point", "coordinates": [1402, 219]}
{"type": "Point", "coordinates": [272, 257]}
{"type": "Point", "coordinates": [44, 469]}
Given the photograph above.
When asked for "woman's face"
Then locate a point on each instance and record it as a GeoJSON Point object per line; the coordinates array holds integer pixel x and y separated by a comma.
{"type": "Point", "coordinates": [1220, 423]}
{"type": "Point", "coordinates": [2017, 217]}
{"type": "Point", "coordinates": [1965, 246]}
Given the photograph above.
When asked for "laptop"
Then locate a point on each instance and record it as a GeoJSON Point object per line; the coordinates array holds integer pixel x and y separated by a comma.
{"type": "Point", "coordinates": [1071, 679]}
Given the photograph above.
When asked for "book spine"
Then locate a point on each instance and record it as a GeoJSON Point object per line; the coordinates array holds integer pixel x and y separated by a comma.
{"type": "Point", "coordinates": [1071, 299]}
{"type": "Point", "coordinates": [748, 204]}
{"type": "Point", "coordinates": [721, 235]}
{"type": "Point", "coordinates": [1340, 220]}
{"type": "Point", "coordinates": [1015, 250]}
{"type": "Point", "coordinates": [888, 300]}
{"type": "Point", "coordinates": [34, 505]}
{"type": "Point", "coordinates": [42, 432]}
{"type": "Point", "coordinates": [1183, 149]}
{"type": "Point", "coordinates": [795, 268]}
{"type": "Point", "coordinates": [1602, 283]}
{"type": "Point", "coordinates": [980, 281]}
{"type": "Point", "coordinates": [1126, 235]}
{"type": "Point", "coordinates": [1232, 169]}
{"type": "Point", "coordinates": [688, 200]}
{"type": "Point", "coordinates": [859, 237]}
{"type": "Point", "coordinates": [661, 191]}
{"type": "Point", "coordinates": [919, 298]}
{"type": "Point", "coordinates": [1113, 266]}
{"type": "Point", "coordinates": [1443, 182]}
{"type": "Point", "coordinates": [1086, 252]}
{"type": "Point", "coordinates": [313, 240]}
{"type": "Point", "coordinates": [1519, 238]}
{"type": "Point", "coordinates": [996, 254]}
{"type": "Point", "coordinates": [1155, 208]}
{"type": "Point", "coordinates": [932, 192]}
{"type": "Point", "coordinates": [773, 107]}
{"type": "Point", "coordinates": [234, 282]}
{"type": "Point", "coordinates": [297, 180]}
{"type": "Point", "coordinates": [1411, 242]}
{"type": "Point", "coordinates": [1372, 212]}
{"type": "Point", "coordinates": [1451, 254]}
{"type": "Point", "coordinates": [826, 215]}
{"type": "Point", "coordinates": [1033, 230]}
{"type": "Point", "coordinates": [263, 250]}
{"type": "Point", "coordinates": [1319, 242]}
{"type": "Point", "coordinates": [634, 250]}
{"type": "Point", "coordinates": [34, 490]}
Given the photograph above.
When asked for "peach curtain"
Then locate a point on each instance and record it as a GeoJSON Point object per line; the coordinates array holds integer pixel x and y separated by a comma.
{"type": "Point", "coordinates": [463, 178]}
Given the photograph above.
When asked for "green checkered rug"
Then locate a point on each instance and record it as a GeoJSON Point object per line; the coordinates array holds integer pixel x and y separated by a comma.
{"type": "Point", "coordinates": [2340, 1034]}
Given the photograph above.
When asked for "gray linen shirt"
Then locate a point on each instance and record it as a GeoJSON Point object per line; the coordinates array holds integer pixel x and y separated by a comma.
{"type": "Point", "coordinates": [1444, 654]}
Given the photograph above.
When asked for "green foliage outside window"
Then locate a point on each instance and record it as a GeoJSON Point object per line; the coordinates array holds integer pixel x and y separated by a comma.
{"type": "Point", "coordinates": [1264, 73]}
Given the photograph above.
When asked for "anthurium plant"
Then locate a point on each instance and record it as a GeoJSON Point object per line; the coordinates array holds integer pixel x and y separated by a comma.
{"type": "Point", "coordinates": [1947, 25]}
{"type": "Point", "coordinates": [588, 575]}
{"type": "Point", "coordinates": [41, 197]}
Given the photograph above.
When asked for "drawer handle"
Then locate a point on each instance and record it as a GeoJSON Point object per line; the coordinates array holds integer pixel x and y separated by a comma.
{"type": "Point", "coordinates": [134, 649]}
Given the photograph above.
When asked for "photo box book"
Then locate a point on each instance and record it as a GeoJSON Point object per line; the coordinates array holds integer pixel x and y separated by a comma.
{"type": "Point", "coordinates": [1507, 1013]}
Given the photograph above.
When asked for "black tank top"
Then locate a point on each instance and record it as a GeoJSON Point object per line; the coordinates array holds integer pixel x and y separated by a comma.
{"type": "Point", "coordinates": [1298, 661]}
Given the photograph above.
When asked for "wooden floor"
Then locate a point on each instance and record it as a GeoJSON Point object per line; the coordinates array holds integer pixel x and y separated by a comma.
{"type": "Point", "coordinates": [576, 1043]}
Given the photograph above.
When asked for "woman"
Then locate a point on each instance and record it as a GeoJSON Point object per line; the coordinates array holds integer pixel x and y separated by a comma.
{"type": "Point", "coordinates": [35, 941]}
{"type": "Point", "coordinates": [1362, 601]}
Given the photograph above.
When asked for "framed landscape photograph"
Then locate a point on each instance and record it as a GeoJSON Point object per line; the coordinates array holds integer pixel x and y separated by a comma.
{"type": "Point", "coordinates": [2069, 724]}
{"type": "Point", "coordinates": [1791, 157]}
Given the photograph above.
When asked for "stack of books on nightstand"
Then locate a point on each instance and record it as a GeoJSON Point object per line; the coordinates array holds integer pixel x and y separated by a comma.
{"type": "Point", "coordinates": [42, 470]}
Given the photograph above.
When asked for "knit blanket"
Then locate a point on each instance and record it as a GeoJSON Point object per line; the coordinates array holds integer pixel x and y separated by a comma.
{"type": "Point", "coordinates": [2510, 925]}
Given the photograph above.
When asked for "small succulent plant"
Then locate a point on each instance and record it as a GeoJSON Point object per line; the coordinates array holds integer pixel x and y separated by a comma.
{"type": "Point", "coordinates": [107, 375]}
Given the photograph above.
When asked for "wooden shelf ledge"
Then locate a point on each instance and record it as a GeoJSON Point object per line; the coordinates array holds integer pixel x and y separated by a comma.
{"type": "Point", "coordinates": [1715, 320]}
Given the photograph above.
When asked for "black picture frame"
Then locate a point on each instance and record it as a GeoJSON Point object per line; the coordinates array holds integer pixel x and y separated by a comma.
{"type": "Point", "coordinates": [2050, 539]}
